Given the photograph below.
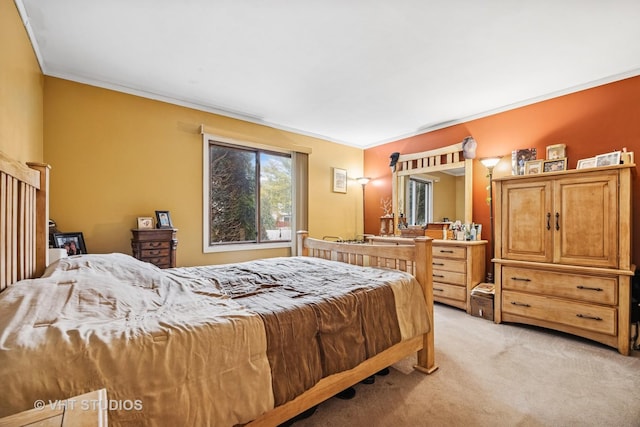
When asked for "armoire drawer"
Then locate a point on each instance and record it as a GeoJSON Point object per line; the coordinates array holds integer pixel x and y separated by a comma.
{"type": "Point", "coordinates": [579, 315]}
{"type": "Point", "coordinates": [458, 266]}
{"type": "Point", "coordinates": [445, 290]}
{"type": "Point", "coordinates": [598, 289]}
{"type": "Point", "coordinates": [442, 251]}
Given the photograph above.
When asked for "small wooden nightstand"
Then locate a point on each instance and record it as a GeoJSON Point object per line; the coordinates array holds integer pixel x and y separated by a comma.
{"type": "Point", "coordinates": [157, 246]}
{"type": "Point", "coordinates": [89, 409]}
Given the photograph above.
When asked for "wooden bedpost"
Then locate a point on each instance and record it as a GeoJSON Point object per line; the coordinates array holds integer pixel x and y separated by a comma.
{"type": "Point", "coordinates": [302, 251]}
{"type": "Point", "coordinates": [42, 218]}
{"type": "Point", "coordinates": [426, 356]}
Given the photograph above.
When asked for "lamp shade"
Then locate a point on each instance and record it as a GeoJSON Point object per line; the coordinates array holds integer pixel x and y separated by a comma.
{"type": "Point", "coordinates": [363, 180]}
{"type": "Point", "coordinates": [490, 162]}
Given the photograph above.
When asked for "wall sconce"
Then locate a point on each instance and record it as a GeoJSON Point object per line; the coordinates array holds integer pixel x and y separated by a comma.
{"type": "Point", "coordinates": [490, 163]}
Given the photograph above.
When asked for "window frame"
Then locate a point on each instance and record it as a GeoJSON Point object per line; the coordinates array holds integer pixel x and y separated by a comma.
{"type": "Point", "coordinates": [206, 185]}
{"type": "Point", "coordinates": [410, 210]}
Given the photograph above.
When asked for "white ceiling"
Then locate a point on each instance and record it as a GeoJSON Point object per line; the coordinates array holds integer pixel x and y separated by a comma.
{"type": "Point", "coordinates": [356, 72]}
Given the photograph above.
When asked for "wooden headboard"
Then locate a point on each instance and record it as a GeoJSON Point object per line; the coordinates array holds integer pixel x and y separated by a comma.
{"type": "Point", "coordinates": [24, 220]}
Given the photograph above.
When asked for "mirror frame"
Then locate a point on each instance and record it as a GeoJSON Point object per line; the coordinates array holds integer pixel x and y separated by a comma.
{"type": "Point", "coordinates": [440, 159]}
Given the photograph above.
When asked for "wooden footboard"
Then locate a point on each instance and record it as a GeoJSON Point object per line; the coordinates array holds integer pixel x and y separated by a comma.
{"type": "Point", "coordinates": [415, 259]}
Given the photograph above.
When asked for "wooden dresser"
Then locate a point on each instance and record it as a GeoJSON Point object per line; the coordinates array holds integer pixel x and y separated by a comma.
{"type": "Point", "coordinates": [89, 409]}
{"type": "Point", "coordinates": [563, 252]}
{"type": "Point", "coordinates": [458, 266]}
{"type": "Point", "coordinates": [157, 246]}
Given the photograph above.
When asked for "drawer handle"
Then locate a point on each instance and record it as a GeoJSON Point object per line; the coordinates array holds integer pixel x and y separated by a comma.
{"type": "Point", "coordinates": [154, 252]}
{"type": "Point", "coordinates": [548, 220]}
{"type": "Point", "coordinates": [521, 279]}
{"type": "Point", "coordinates": [557, 221]}
{"type": "Point", "coordinates": [586, 316]}
{"type": "Point", "coordinates": [587, 288]}
{"type": "Point", "coordinates": [438, 289]}
{"type": "Point", "coordinates": [437, 263]}
{"type": "Point", "coordinates": [446, 251]}
{"type": "Point", "coordinates": [521, 304]}
{"type": "Point", "coordinates": [155, 244]}
{"type": "Point", "coordinates": [438, 275]}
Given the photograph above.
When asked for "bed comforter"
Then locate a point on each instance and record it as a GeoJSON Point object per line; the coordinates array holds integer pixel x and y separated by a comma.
{"type": "Point", "coordinates": [215, 345]}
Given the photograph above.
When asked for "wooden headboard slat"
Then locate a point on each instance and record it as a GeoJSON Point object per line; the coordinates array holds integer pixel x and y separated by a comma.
{"type": "Point", "coordinates": [4, 227]}
{"type": "Point", "coordinates": [24, 216]}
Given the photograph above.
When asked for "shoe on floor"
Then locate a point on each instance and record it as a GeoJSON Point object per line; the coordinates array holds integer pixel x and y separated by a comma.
{"type": "Point", "coordinates": [347, 393]}
{"type": "Point", "coordinates": [383, 372]}
{"type": "Point", "coordinates": [369, 380]}
{"type": "Point", "coordinates": [302, 416]}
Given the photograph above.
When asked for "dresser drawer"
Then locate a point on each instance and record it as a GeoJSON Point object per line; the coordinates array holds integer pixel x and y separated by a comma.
{"type": "Point", "coordinates": [445, 290]}
{"type": "Point", "coordinates": [151, 253]}
{"type": "Point", "coordinates": [442, 251]}
{"type": "Point", "coordinates": [598, 289]}
{"type": "Point", "coordinates": [459, 266]}
{"type": "Point", "coordinates": [154, 245]}
{"type": "Point", "coordinates": [570, 313]}
{"type": "Point", "coordinates": [162, 262]}
{"type": "Point", "coordinates": [449, 277]}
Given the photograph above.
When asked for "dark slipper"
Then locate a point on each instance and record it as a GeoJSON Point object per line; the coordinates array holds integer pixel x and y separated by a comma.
{"type": "Point", "coordinates": [369, 380]}
{"type": "Point", "coordinates": [347, 393]}
{"type": "Point", "coordinates": [383, 372]}
{"type": "Point", "coordinates": [302, 416]}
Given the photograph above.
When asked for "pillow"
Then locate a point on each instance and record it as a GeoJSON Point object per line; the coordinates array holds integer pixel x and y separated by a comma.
{"type": "Point", "coordinates": [121, 267]}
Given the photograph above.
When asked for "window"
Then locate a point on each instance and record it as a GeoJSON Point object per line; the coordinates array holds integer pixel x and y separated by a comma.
{"type": "Point", "coordinates": [419, 199]}
{"type": "Point", "coordinates": [249, 194]}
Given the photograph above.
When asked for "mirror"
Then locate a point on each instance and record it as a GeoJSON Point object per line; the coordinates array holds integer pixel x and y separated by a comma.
{"type": "Point", "coordinates": [442, 176]}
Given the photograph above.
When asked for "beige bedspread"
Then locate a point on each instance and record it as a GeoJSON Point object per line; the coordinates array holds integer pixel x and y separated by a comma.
{"type": "Point", "coordinates": [216, 345]}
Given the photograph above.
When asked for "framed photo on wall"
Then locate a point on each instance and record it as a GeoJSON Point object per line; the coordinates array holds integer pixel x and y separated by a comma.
{"type": "Point", "coordinates": [339, 180]}
{"type": "Point", "coordinates": [163, 219]}
{"type": "Point", "coordinates": [72, 242]}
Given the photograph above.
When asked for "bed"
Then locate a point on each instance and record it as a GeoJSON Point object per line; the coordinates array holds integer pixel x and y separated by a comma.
{"type": "Point", "coordinates": [251, 343]}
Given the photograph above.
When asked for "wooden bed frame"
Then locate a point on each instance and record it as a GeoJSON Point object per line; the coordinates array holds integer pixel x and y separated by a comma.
{"type": "Point", "coordinates": [24, 220]}
{"type": "Point", "coordinates": [415, 259]}
{"type": "Point", "coordinates": [24, 241]}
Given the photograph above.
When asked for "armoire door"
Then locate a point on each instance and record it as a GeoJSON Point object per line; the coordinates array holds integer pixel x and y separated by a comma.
{"type": "Point", "coordinates": [526, 220]}
{"type": "Point", "coordinates": [585, 220]}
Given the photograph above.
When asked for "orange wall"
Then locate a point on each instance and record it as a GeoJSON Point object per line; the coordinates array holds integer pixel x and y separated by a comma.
{"type": "Point", "coordinates": [589, 122]}
{"type": "Point", "coordinates": [21, 98]}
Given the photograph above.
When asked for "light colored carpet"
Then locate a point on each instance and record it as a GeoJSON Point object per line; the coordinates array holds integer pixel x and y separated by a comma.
{"type": "Point", "coordinates": [497, 375]}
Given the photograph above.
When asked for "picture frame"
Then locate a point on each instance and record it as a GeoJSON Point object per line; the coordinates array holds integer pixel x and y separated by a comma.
{"type": "Point", "coordinates": [533, 167]}
{"type": "Point", "coordinates": [554, 165]}
{"type": "Point", "coordinates": [339, 180]}
{"type": "Point", "coordinates": [520, 157]}
{"type": "Point", "coordinates": [608, 159]}
{"type": "Point", "coordinates": [589, 162]}
{"type": "Point", "coordinates": [163, 219]}
{"type": "Point", "coordinates": [145, 222]}
{"type": "Point", "coordinates": [556, 151]}
{"type": "Point", "coordinates": [72, 242]}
